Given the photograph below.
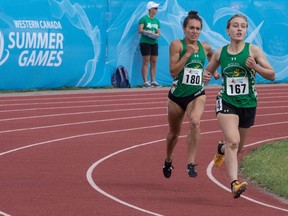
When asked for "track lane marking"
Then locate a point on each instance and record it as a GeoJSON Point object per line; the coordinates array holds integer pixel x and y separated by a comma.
{"type": "Point", "coordinates": [98, 189]}
{"type": "Point", "coordinates": [213, 179]}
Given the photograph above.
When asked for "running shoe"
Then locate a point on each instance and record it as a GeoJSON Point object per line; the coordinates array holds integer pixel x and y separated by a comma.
{"type": "Point", "coordinates": [155, 84]}
{"type": "Point", "coordinates": [146, 85]}
{"type": "Point", "coordinates": [238, 188]}
{"type": "Point", "coordinates": [191, 170]}
{"type": "Point", "coordinates": [219, 157]}
{"type": "Point", "coordinates": [167, 169]}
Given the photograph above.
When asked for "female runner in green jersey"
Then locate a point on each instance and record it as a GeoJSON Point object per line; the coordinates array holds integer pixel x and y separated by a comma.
{"type": "Point", "coordinates": [237, 100]}
{"type": "Point", "coordinates": [187, 95]}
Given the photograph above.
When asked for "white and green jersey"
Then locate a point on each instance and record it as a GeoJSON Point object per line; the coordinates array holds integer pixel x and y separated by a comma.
{"type": "Point", "coordinates": [189, 80]}
{"type": "Point", "coordinates": [238, 81]}
{"type": "Point", "coordinates": [150, 24]}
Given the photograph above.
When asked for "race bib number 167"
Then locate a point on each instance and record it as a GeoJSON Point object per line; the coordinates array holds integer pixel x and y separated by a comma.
{"type": "Point", "coordinates": [237, 86]}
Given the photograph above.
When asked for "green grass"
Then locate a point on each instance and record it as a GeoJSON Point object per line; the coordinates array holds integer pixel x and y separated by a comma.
{"type": "Point", "coordinates": [267, 166]}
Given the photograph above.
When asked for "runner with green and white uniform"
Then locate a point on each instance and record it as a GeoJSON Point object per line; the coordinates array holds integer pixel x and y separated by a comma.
{"type": "Point", "coordinates": [188, 83]}
{"type": "Point", "coordinates": [238, 80]}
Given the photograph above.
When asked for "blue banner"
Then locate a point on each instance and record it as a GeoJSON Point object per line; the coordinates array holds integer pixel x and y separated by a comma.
{"type": "Point", "coordinates": [48, 44]}
{"type": "Point", "coordinates": [52, 44]}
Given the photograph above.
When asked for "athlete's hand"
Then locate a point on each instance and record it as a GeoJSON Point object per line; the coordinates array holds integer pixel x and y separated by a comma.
{"type": "Point", "coordinates": [216, 75]}
{"type": "Point", "coordinates": [190, 49]}
{"type": "Point", "coordinates": [250, 62]}
{"type": "Point", "coordinates": [206, 76]}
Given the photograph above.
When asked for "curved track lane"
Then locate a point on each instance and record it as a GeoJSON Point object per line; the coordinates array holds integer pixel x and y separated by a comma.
{"type": "Point", "coordinates": [101, 153]}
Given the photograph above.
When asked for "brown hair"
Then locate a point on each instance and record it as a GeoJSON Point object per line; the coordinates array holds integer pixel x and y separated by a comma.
{"type": "Point", "coordinates": [236, 15]}
{"type": "Point", "coordinates": [192, 15]}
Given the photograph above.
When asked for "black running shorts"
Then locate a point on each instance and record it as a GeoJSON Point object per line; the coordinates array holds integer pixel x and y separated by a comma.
{"type": "Point", "coordinates": [184, 101]}
{"type": "Point", "coordinates": [246, 115]}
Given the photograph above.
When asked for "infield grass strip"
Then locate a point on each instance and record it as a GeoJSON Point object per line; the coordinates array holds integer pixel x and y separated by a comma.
{"type": "Point", "coordinates": [267, 166]}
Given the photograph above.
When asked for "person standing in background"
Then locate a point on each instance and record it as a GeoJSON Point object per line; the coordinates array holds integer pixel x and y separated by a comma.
{"type": "Point", "coordinates": [187, 95]}
{"type": "Point", "coordinates": [237, 99]}
{"type": "Point", "coordinates": [149, 28]}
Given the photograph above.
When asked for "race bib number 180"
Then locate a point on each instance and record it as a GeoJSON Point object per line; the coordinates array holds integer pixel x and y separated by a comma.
{"type": "Point", "coordinates": [237, 85]}
{"type": "Point", "coordinates": [192, 76]}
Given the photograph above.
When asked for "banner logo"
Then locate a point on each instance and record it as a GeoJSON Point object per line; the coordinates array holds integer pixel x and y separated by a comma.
{"type": "Point", "coordinates": [4, 53]}
{"type": "Point", "coordinates": [35, 42]}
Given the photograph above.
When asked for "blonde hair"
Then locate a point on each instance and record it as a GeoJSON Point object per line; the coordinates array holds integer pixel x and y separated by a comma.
{"type": "Point", "coordinates": [235, 16]}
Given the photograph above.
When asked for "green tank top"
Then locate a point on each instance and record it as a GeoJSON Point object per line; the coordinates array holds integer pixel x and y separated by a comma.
{"type": "Point", "coordinates": [151, 24]}
{"type": "Point", "coordinates": [189, 80]}
{"type": "Point", "coordinates": [238, 81]}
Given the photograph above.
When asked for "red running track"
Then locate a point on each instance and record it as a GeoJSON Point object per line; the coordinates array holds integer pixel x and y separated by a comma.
{"type": "Point", "coordinates": [101, 153]}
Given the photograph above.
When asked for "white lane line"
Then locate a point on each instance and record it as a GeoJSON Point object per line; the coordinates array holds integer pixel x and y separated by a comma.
{"type": "Point", "coordinates": [76, 136]}
{"type": "Point", "coordinates": [213, 179]}
{"type": "Point", "coordinates": [82, 102]}
{"type": "Point", "coordinates": [90, 180]}
{"type": "Point", "coordinates": [117, 119]}
{"type": "Point", "coordinates": [98, 189]}
{"type": "Point", "coordinates": [94, 185]}
{"type": "Point", "coordinates": [84, 122]}
{"type": "Point", "coordinates": [4, 214]}
{"type": "Point", "coordinates": [81, 113]}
